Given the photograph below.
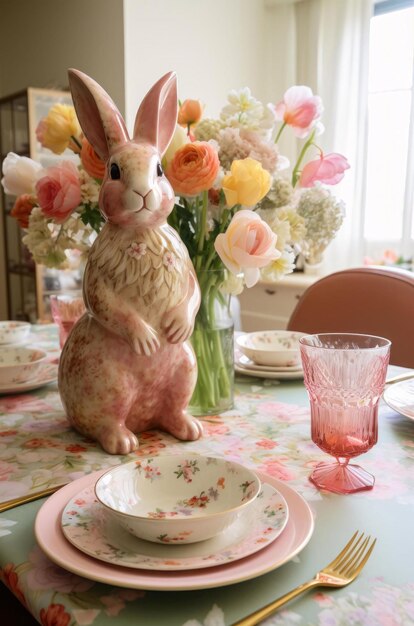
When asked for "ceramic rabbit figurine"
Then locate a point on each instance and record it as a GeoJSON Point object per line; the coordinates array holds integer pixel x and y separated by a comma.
{"type": "Point", "coordinates": [126, 366]}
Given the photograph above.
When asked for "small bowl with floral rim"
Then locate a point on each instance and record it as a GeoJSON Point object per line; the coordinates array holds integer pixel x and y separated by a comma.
{"type": "Point", "coordinates": [278, 348]}
{"type": "Point", "coordinates": [177, 499]}
{"type": "Point", "coordinates": [12, 332]}
{"type": "Point", "coordinates": [19, 364]}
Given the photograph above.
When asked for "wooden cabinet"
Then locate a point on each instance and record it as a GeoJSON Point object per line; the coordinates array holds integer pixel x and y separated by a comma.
{"type": "Point", "coordinates": [269, 305]}
{"type": "Point", "coordinates": [25, 285]}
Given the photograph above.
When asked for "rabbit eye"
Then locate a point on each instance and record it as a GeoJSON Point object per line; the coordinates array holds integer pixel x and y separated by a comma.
{"type": "Point", "coordinates": [159, 170]}
{"type": "Point", "coordinates": [115, 172]}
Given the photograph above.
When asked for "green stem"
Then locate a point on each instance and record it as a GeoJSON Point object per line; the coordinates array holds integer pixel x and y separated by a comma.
{"type": "Point", "coordinates": [295, 173]}
{"type": "Point", "coordinates": [75, 141]}
{"type": "Point", "coordinates": [212, 347]}
{"type": "Point", "coordinates": [280, 132]}
{"type": "Point", "coordinates": [202, 230]}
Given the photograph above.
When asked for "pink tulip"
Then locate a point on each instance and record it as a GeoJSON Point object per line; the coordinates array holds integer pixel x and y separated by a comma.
{"type": "Point", "coordinates": [299, 109]}
{"type": "Point", "coordinates": [248, 244]}
{"type": "Point", "coordinates": [328, 169]}
{"type": "Point", "coordinates": [59, 192]}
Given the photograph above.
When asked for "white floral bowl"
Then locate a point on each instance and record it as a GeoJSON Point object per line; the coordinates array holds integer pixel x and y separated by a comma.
{"type": "Point", "coordinates": [13, 332]}
{"type": "Point", "coordinates": [19, 364]}
{"type": "Point", "coordinates": [271, 347]}
{"type": "Point", "coordinates": [177, 499]}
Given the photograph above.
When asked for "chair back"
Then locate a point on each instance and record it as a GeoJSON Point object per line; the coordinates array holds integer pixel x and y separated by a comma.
{"type": "Point", "coordinates": [370, 300]}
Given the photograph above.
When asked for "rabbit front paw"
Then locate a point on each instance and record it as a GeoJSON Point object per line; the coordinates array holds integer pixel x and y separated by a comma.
{"type": "Point", "coordinates": [176, 326]}
{"type": "Point", "coordinates": [145, 342]}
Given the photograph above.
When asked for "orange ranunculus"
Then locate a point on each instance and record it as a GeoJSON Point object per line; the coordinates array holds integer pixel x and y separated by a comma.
{"type": "Point", "coordinates": [190, 113]}
{"type": "Point", "coordinates": [193, 169]}
{"type": "Point", "coordinates": [91, 162]}
{"type": "Point", "coordinates": [22, 208]}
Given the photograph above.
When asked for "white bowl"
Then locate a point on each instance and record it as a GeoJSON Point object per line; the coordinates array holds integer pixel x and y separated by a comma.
{"type": "Point", "coordinates": [19, 364]}
{"type": "Point", "coordinates": [177, 499]}
{"type": "Point", "coordinates": [271, 347]}
{"type": "Point", "coordinates": [13, 332]}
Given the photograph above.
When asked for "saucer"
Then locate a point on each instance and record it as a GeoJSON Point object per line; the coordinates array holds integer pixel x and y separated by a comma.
{"type": "Point", "coordinates": [244, 361]}
{"type": "Point", "coordinates": [266, 373]}
{"type": "Point", "coordinates": [48, 374]}
{"type": "Point", "coordinates": [400, 397]}
{"type": "Point", "coordinates": [49, 535]}
{"type": "Point", "coordinates": [87, 526]}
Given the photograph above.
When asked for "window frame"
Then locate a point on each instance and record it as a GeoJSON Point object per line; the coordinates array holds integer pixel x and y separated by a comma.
{"type": "Point", "coordinates": [404, 246]}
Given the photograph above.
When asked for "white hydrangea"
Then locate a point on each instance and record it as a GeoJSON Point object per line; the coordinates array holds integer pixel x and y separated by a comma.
{"type": "Point", "coordinates": [279, 195]}
{"type": "Point", "coordinates": [48, 242]}
{"type": "Point", "coordinates": [323, 215]}
{"type": "Point", "coordinates": [207, 129]}
{"type": "Point", "coordinates": [89, 188]}
{"type": "Point", "coordinates": [296, 223]}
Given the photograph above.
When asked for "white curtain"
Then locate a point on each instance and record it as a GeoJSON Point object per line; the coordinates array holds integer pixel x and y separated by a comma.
{"type": "Point", "coordinates": [330, 46]}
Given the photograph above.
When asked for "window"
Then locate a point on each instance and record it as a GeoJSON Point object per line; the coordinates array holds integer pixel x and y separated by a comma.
{"type": "Point", "coordinates": [389, 209]}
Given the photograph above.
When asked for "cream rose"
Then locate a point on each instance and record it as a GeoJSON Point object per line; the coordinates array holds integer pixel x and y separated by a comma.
{"type": "Point", "coordinates": [20, 174]}
{"type": "Point", "coordinates": [247, 245]}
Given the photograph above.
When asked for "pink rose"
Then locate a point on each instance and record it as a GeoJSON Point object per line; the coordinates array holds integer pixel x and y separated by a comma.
{"type": "Point", "coordinates": [299, 109]}
{"type": "Point", "coordinates": [328, 169]}
{"type": "Point", "coordinates": [59, 192]}
{"type": "Point", "coordinates": [248, 244]}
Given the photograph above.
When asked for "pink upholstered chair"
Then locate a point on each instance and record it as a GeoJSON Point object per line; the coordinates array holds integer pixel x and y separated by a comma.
{"type": "Point", "coordinates": [373, 300]}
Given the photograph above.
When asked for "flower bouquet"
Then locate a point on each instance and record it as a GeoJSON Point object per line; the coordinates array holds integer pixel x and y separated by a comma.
{"type": "Point", "coordinates": [241, 217]}
{"type": "Point", "coordinates": [57, 206]}
{"type": "Point", "coordinates": [238, 210]}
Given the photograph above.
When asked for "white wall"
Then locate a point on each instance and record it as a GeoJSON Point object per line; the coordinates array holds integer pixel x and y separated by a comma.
{"type": "Point", "coordinates": [40, 39]}
{"type": "Point", "coordinates": [213, 45]}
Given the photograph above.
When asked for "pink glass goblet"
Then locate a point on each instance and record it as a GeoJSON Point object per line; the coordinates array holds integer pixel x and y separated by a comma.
{"type": "Point", "coordinates": [345, 377]}
{"type": "Point", "coordinates": [66, 310]}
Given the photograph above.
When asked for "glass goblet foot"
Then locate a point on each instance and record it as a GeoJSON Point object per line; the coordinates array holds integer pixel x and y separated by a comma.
{"type": "Point", "coordinates": [341, 477]}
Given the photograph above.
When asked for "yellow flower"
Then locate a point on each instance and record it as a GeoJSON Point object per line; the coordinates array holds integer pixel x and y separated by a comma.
{"type": "Point", "coordinates": [247, 183]}
{"type": "Point", "coordinates": [57, 130]}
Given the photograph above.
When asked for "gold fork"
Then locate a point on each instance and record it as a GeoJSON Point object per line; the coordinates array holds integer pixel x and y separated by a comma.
{"type": "Point", "coordinates": [342, 571]}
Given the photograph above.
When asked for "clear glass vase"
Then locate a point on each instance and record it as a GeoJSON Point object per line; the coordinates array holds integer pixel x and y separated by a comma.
{"type": "Point", "coordinates": [213, 343]}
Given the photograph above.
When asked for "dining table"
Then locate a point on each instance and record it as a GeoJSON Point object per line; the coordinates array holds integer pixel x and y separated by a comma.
{"type": "Point", "coordinates": [267, 430]}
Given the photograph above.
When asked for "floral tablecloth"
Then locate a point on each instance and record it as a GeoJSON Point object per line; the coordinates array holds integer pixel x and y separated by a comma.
{"type": "Point", "coordinates": [268, 430]}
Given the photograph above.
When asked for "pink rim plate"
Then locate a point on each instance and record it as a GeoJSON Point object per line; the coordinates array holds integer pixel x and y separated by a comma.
{"type": "Point", "coordinates": [86, 525]}
{"type": "Point", "coordinates": [52, 541]}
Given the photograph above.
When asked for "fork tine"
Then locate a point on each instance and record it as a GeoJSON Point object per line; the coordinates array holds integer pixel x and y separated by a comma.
{"type": "Point", "coordinates": [358, 567]}
{"type": "Point", "coordinates": [340, 561]}
{"type": "Point", "coordinates": [337, 559]}
{"type": "Point", "coordinates": [353, 558]}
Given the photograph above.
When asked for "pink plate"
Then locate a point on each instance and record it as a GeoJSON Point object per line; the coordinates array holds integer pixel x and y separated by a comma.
{"type": "Point", "coordinates": [50, 537]}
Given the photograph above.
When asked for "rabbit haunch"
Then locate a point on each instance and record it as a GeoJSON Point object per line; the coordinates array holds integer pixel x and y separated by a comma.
{"type": "Point", "coordinates": [154, 275]}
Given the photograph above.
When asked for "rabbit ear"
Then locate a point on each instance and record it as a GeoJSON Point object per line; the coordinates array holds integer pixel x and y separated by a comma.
{"type": "Point", "coordinates": [157, 116]}
{"type": "Point", "coordinates": [98, 116]}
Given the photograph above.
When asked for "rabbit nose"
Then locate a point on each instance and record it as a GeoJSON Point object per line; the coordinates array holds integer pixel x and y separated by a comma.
{"type": "Point", "coordinates": [142, 197]}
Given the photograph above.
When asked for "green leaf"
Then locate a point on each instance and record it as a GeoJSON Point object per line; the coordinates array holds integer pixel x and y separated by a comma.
{"type": "Point", "coordinates": [92, 216]}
